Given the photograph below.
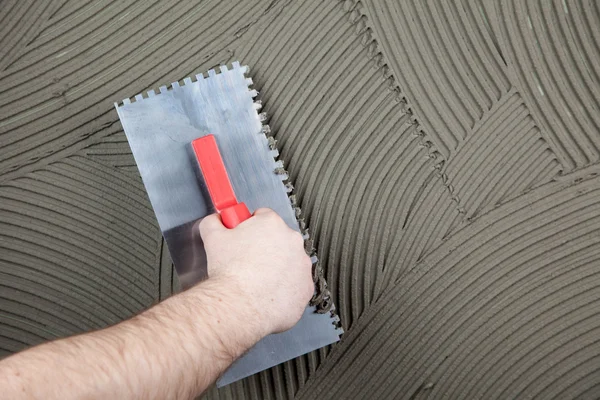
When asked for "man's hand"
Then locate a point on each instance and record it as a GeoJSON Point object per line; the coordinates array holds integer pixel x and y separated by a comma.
{"type": "Point", "coordinates": [265, 263]}
{"type": "Point", "coordinates": [259, 283]}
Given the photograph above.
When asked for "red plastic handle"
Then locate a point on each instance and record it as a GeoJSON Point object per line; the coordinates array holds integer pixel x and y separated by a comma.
{"type": "Point", "coordinates": [217, 181]}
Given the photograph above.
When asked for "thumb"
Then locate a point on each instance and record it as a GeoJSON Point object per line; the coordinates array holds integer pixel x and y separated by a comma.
{"type": "Point", "coordinates": [211, 224]}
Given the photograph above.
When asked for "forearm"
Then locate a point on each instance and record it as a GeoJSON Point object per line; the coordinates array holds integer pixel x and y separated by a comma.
{"type": "Point", "coordinates": [174, 350]}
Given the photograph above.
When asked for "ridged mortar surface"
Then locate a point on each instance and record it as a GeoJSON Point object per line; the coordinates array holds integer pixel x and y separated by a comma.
{"type": "Point", "coordinates": [445, 156]}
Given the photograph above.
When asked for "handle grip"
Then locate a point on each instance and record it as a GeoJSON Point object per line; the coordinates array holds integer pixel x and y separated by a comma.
{"type": "Point", "coordinates": [235, 215]}
{"type": "Point", "coordinates": [218, 184]}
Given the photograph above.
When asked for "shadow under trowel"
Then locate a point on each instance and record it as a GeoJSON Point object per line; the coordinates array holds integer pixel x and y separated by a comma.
{"type": "Point", "coordinates": [187, 252]}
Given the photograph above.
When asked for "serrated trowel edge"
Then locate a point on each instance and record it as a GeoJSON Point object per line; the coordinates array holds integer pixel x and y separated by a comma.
{"type": "Point", "coordinates": [322, 298]}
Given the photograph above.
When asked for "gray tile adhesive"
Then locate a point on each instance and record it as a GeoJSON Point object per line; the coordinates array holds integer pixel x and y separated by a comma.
{"type": "Point", "coordinates": [444, 154]}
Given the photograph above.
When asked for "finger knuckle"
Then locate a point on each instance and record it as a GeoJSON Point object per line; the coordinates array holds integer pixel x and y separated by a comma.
{"type": "Point", "coordinates": [267, 215]}
{"type": "Point", "coordinates": [204, 223]}
{"type": "Point", "coordinates": [204, 227]}
{"type": "Point", "coordinates": [297, 238]}
{"type": "Point", "coordinates": [272, 215]}
{"type": "Point", "coordinates": [310, 290]}
{"type": "Point", "coordinates": [307, 262]}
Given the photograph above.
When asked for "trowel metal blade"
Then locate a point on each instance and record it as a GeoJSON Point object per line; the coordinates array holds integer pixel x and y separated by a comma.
{"type": "Point", "coordinates": [159, 128]}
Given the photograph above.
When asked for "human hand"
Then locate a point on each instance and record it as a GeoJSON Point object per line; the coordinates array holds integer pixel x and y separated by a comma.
{"type": "Point", "coordinates": [264, 263]}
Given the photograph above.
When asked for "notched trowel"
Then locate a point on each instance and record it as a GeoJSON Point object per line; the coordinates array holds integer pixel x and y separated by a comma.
{"type": "Point", "coordinates": [220, 108]}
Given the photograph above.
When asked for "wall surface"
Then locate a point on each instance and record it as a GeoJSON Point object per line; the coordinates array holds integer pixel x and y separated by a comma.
{"type": "Point", "coordinates": [445, 154]}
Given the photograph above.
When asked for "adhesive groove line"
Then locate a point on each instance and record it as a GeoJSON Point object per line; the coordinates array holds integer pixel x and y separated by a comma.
{"type": "Point", "coordinates": [460, 327]}
{"type": "Point", "coordinates": [9, 43]}
{"type": "Point", "coordinates": [444, 156]}
{"type": "Point", "coordinates": [440, 143]}
{"type": "Point", "coordinates": [575, 145]}
{"type": "Point", "coordinates": [87, 282]}
{"type": "Point", "coordinates": [349, 254]}
{"type": "Point", "coordinates": [47, 283]}
{"type": "Point", "coordinates": [549, 176]}
{"type": "Point", "coordinates": [81, 76]}
{"type": "Point", "coordinates": [418, 313]}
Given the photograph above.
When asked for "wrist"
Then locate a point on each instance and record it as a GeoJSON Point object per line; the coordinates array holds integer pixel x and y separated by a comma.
{"type": "Point", "coordinates": [234, 323]}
